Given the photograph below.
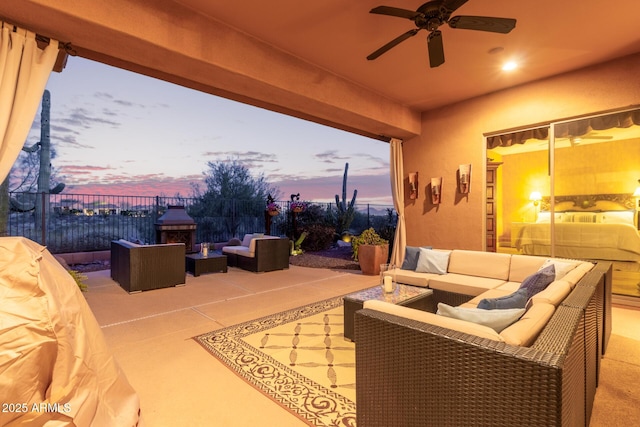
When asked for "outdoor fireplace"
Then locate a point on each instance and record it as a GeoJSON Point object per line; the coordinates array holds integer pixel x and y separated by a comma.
{"type": "Point", "coordinates": [176, 226]}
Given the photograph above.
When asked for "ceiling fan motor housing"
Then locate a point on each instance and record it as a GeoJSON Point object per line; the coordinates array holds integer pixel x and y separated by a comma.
{"type": "Point", "coordinates": [430, 16]}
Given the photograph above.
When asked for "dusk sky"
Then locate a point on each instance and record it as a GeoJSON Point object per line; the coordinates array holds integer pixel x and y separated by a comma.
{"type": "Point", "coordinates": [120, 133]}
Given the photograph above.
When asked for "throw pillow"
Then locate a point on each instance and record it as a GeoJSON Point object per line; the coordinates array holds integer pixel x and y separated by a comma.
{"type": "Point", "coordinates": [234, 242]}
{"type": "Point", "coordinates": [562, 268]}
{"type": "Point", "coordinates": [431, 261]}
{"type": "Point", "coordinates": [538, 281]}
{"type": "Point", "coordinates": [495, 319]}
{"type": "Point", "coordinates": [411, 255]}
{"type": "Point", "coordinates": [518, 299]}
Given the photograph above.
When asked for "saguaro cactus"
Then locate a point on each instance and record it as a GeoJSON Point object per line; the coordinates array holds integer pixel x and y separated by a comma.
{"type": "Point", "coordinates": [346, 211]}
{"type": "Point", "coordinates": [29, 202]}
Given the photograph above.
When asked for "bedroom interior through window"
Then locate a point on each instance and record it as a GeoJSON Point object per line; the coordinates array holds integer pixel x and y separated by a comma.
{"type": "Point", "coordinates": [566, 190]}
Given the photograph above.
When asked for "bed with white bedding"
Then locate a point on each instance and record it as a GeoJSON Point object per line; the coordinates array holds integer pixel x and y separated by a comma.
{"type": "Point", "coordinates": [586, 232]}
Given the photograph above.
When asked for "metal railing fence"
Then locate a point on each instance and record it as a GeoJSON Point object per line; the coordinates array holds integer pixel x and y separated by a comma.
{"type": "Point", "coordinates": [82, 222]}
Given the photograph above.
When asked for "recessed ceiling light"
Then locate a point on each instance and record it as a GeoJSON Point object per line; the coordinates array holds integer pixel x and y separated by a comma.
{"type": "Point", "coordinates": [509, 66]}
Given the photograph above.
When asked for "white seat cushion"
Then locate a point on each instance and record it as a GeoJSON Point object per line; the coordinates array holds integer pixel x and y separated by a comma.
{"type": "Point", "coordinates": [462, 284]}
{"type": "Point", "coordinates": [434, 319]}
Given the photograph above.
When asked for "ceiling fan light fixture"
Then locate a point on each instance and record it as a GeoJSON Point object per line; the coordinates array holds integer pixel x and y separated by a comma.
{"type": "Point", "coordinates": [509, 66]}
{"type": "Point", "coordinates": [431, 16]}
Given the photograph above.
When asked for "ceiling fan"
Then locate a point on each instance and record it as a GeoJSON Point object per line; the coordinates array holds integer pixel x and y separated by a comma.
{"type": "Point", "coordinates": [430, 16]}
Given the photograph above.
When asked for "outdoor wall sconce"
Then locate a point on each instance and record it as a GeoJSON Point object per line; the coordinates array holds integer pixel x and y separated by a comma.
{"type": "Point", "coordinates": [535, 197]}
{"type": "Point", "coordinates": [413, 185]}
{"type": "Point", "coordinates": [436, 190]}
{"type": "Point", "coordinates": [464, 178]}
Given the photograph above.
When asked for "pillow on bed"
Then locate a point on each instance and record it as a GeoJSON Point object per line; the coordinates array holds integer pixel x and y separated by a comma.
{"type": "Point", "coordinates": [545, 217]}
{"type": "Point", "coordinates": [582, 216]}
{"type": "Point", "coordinates": [616, 217]}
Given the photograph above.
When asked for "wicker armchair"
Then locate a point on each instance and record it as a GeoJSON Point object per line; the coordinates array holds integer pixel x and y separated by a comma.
{"type": "Point", "coordinates": [139, 268]}
{"type": "Point", "coordinates": [270, 254]}
{"type": "Point", "coordinates": [411, 373]}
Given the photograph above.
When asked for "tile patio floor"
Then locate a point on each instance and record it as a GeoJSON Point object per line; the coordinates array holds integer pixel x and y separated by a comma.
{"type": "Point", "coordinates": [180, 383]}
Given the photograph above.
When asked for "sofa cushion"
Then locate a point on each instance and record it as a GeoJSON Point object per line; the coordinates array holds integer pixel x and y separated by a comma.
{"type": "Point", "coordinates": [463, 284]}
{"type": "Point", "coordinates": [482, 264]}
{"type": "Point", "coordinates": [495, 319]}
{"type": "Point", "coordinates": [525, 331]}
{"type": "Point", "coordinates": [433, 319]}
{"type": "Point", "coordinates": [554, 294]}
{"type": "Point", "coordinates": [246, 240]}
{"type": "Point", "coordinates": [411, 255]}
{"type": "Point", "coordinates": [237, 250]}
{"type": "Point", "coordinates": [491, 293]}
{"type": "Point", "coordinates": [409, 277]}
{"type": "Point", "coordinates": [577, 273]}
{"type": "Point", "coordinates": [523, 266]}
{"type": "Point", "coordinates": [509, 287]}
{"type": "Point", "coordinates": [518, 299]}
{"type": "Point", "coordinates": [539, 281]}
{"type": "Point", "coordinates": [430, 261]}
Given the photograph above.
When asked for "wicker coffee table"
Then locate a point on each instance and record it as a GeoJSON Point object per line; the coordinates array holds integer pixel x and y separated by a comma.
{"type": "Point", "coordinates": [405, 295]}
{"type": "Point", "coordinates": [197, 264]}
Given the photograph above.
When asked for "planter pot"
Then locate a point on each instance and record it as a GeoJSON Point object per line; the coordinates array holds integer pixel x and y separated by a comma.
{"type": "Point", "coordinates": [371, 256]}
{"type": "Point", "coordinates": [273, 213]}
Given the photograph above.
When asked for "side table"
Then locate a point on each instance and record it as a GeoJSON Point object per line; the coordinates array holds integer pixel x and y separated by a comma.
{"type": "Point", "coordinates": [196, 264]}
{"type": "Point", "coordinates": [405, 295]}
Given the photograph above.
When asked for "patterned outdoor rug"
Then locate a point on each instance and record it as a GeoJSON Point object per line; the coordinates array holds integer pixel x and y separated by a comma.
{"type": "Point", "coordinates": [299, 358]}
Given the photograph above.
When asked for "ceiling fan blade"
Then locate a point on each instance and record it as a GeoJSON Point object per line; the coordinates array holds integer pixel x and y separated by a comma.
{"type": "Point", "coordinates": [395, 11]}
{"type": "Point", "coordinates": [393, 43]}
{"type": "Point", "coordinates": [452, 5]}
{"type": "Point", "coordinates": [483, 23]}
{"type": "Point", "coordinates": [436, 49]}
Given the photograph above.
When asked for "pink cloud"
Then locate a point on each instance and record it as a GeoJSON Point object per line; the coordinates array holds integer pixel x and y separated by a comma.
{"type": "Point", "coordinates": [374, 189]}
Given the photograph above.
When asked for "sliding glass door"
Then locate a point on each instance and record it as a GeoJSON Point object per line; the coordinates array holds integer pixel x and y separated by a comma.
{"type": "Point", "coordinates": [567, 190]}
{"type": "Point", "coordinates": [522, 178]}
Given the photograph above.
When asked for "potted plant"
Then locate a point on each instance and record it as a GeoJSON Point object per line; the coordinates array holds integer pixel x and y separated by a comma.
{"type": "Point", "coordinates": [272, 208]}
{"type": "Point", "coordinates": [370, 250]}
{"type": "Point", "coordinates": [298, 206]}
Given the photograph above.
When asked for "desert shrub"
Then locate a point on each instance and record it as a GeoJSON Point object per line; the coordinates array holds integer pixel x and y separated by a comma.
{"type": "Point", "coordinates": [319, 237]}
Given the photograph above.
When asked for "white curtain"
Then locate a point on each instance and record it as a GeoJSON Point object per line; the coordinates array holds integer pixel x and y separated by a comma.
{"type": "Point", "coordinates": [397, 190]}
{"type": "Point", "coordinates": [24, 71]}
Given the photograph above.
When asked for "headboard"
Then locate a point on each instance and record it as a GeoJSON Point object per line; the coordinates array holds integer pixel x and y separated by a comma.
{"type": "Point", "coordinates": [590, 203]}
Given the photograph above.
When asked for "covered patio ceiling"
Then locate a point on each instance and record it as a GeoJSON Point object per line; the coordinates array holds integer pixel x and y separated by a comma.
{"type": "Point", "coordinates": [308, 59]}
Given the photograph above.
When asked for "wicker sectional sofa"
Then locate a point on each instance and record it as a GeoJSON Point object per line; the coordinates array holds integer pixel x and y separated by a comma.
{"type": "Point", "coordinates": [417, 368]}
{"type": "Point", "coordinates": [259, 253]}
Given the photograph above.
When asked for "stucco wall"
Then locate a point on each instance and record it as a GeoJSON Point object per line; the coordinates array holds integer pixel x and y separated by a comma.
{"type": "Point", "coordinates": [453, 135]}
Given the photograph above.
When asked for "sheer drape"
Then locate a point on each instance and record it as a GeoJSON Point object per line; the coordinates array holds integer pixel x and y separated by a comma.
{"type": "Point", "coordinates": [397, 190]}
{"type": "Point", "coordinates": [24, 71]}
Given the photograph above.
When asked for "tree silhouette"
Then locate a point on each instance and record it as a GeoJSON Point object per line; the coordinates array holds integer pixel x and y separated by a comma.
{"type": "Point", "coordinates": [232, 194]}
